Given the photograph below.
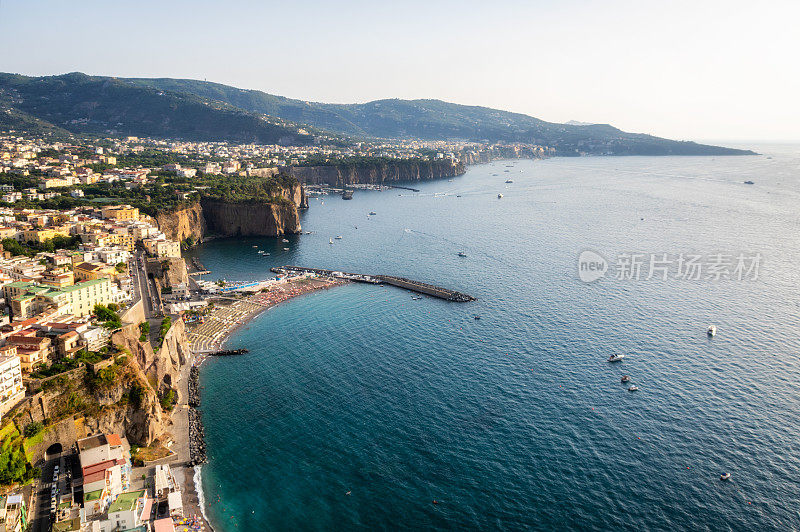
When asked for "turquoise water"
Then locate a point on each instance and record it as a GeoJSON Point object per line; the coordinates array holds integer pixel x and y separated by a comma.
{"type": "Point", "coordinates": [516, 421]}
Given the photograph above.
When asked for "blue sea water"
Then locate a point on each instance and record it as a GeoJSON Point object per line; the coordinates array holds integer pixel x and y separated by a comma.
{"type": "Point", "coordinates": [516, 421]}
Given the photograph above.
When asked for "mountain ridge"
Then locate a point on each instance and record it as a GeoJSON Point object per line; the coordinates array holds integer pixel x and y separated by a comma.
{"type": "Point", "coordinates": [202, 110]}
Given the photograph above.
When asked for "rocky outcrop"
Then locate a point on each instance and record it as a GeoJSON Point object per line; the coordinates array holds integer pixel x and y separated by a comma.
{"type": "Point", "coordinates": [183, 223]}
{"type": "Point", "coordinates": [162, 368]}
{"type": "Point", "coordinates": [378, 173]}
{"type": "Point", "coordinates": [224, 218]}
{"type": "Point", "coordinates": [250, 219]}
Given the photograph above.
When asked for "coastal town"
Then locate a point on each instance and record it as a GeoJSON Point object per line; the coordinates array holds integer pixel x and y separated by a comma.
{"type": "Point", "coordinates": [102, 318]}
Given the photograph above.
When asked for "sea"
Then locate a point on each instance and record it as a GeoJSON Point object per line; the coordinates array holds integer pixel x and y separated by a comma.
{"type": "Point", "coordinates": [363, 408]}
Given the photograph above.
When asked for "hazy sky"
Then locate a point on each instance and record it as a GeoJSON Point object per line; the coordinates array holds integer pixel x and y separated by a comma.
{"type": "Point", "coordinates": [697, 69]}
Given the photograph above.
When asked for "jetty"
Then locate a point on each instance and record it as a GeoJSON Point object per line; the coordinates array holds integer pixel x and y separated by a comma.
{"type": "Point", "coordinates": [405, 188]}
{"type": "Point", "coordinates": [228, 353]}
{"type": "Point", "coordinates": [400, 282]}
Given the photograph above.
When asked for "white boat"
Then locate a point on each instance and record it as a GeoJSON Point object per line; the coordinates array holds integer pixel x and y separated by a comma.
{"type": "Point", "coordinates": [339, 237]}
{"type": "Point", "coordinates": [509, 181]}
{"type": "Point", "coordinates": [330, 241]}
{"type": "Point", "coordinates": [286, 249]}
{"type": "Point", "coordinates": [615, 358]}
{"type": "Point", "coordinates": [712, 330]}
{"type": "Point", "coordinates": [372, 213]}
{"type": "Point", "coordinates": [633, 388]}
{"type": "Point", "coordinates": [462, 254]}
{"type": "Point", "coordinates": [285, 241]}
{"type": "Point", "coordinates": [499, 196]}
{"type": "Point", "coordinates": [726, 476]}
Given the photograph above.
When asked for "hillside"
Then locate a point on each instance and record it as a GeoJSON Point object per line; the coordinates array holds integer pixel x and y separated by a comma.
{"type": "Point", "coordinates": [438, 120]}
{"type": "Point", "coordinates": [93, 105]}
{"type": "Point", "coordinates": [199, 110]}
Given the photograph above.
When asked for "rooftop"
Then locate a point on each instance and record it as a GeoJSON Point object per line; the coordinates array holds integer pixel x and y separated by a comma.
{"type": "Point", "coordinates": [126, 501]}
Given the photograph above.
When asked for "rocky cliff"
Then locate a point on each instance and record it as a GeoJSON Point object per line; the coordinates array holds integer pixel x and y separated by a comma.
{"type": "Point", "coordinates": [250, 219]}
{"type": "Point", "coordinates": [223, 218]}
{"type": "Point", "coordinates": [184, 223]}
{"type": "Point", "coordinates": [376, 173]}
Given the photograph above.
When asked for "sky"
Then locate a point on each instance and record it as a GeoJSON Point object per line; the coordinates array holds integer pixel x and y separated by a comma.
{"type": "Point", "coordinates": [689, 70]}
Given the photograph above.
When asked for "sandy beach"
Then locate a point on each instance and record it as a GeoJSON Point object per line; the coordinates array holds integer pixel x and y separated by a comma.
{"type": "Point", "coordinates": [230, 313]}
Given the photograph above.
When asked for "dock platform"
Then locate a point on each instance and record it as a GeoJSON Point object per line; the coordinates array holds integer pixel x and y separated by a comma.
{"type": "Point", "coordinates": [400, 282]}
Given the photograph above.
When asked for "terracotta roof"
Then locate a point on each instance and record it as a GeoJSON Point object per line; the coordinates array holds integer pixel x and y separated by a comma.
{"type": "Point", "coordinates": [114, 440]}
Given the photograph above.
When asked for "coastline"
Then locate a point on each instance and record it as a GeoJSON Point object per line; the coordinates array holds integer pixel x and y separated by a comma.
{"type": "Point", "coordinates": [248, 308]}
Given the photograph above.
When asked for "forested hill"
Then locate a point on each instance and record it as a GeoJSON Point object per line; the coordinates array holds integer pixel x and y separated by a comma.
{"type": "Point", "coordinates": [438, 120]}
{"type": "Point", "coordinates": [104, 106]}
{"type": "Point", "coordinates": [199, 110]}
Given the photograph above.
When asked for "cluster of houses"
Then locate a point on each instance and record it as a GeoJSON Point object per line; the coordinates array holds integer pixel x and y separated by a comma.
{"type": "Point", "coordinates": [48, 299]}
{"type": "Point", "coordinates": [103, 495]}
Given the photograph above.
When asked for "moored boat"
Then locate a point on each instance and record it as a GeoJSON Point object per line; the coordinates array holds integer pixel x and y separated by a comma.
{"type": "Point", "coordinates": [615, 358]}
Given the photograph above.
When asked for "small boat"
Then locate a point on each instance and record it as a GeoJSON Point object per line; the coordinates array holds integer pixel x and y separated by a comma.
{"type": "Point", "coordinates": [284, 241]}
{"type": "Point", "coordinates": [726, 476]}
{"type": "Point", "coordinates": [416, 298]}
{"type": "Point", "coordinates": [462, 254]}
{"type": "Point", "coordinates": [449, 180]}
{"type": "Point", "coordinates": [265, 254]}
{"type": "Point", "coordinates": [330, 241]}
{"type": "Point", "coordinates": [626, 378]}
{"type": "Point", "coordinates": [458, 195]}
{"type": "Point", "coordinates": [633, 388]}
{"type": "Point", "coordinates": [255, 246]}
{"type": "Point", "coordinates": [476, 317]}
{"type": "Point", "coordinates": [339, 237]}
{"type": "Point", "coordinates": [509, 181]}
{"type": "Point", "coordinates": [615, 358]}
{"type": "Point", "coordinates": [286, 249]}
{"type": "Point", "coordinates": [749, 183]}
{"type": "Point", "coordinates": [499, 196]}
{"type": "Point", "coordinates": [372, 213]}
{"type": "Point", "coordinates": [347, 195]}
{"type": "Point", "coordinates": [712, 330]}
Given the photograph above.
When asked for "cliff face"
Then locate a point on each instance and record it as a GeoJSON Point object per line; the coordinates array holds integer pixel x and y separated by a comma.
{"type": "Point", "coordinates": [376, 174]}
{"type": "Point", "coordinates": [221, 218]}
{"type": "Point", "coordinates": [250, 219]}
{"type": "Point", "coordinates": [179, 225]}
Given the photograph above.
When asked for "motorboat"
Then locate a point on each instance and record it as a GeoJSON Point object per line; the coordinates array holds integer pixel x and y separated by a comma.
{"type": "Point", "coordinates": [633, 388]}
{"type": "Point", "coordinates": [462, 254]}
{"type": "Point", "coordinates": [615, 358]}
{"type": "Point", "coordinates": [712, 330]}
{"type": "Point", "coordinates": [285, 241]}
{"type": "Point", "coordinates": [499, 196]}
{"type": "Point", "coordinates": [372, 213]}
{"type": "Point", "coordinates": [509, 181]}
{"type": "Point", "coordinates": [749, 183]}
{"type": "Point", "coordinates": [286, 249]}
{"type": "Point", "coordinates": [476, 317]}
{"type": "Point", "coordinates": [330, 241]}
{"type": "Point", "coordinates": [339, 237]}
{"type": "Point", "coordinates": [626, 378]}
{"type": "Point", "coordinates": [726, 476]}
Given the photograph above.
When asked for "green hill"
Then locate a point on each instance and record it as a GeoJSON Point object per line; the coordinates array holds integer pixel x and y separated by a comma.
{"type": "Point", "coordinates": [200, 110]}
{"type": "Point", "coordinates": [94, 105]}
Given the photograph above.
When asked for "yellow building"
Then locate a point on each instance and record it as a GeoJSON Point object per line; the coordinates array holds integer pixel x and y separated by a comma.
{"type": "Point", "coordinates": [121, 212]}
{"type": "Point", "coordinates": [27, 299]}
{"type": "Point", "coordinates": [40, 235]}
{"type": "Point", "coordinates": [162, 248]}
{"type": "Point", "coordinates": [86, 271]}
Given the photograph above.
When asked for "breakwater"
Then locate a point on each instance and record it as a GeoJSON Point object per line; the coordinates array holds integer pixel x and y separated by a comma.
{"type": "Point", "coordinates": [228, 353]}
{"type": "Point", "coordinates": [400, 282]}
{"type": "Point", "coordinates": [197, 439]}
